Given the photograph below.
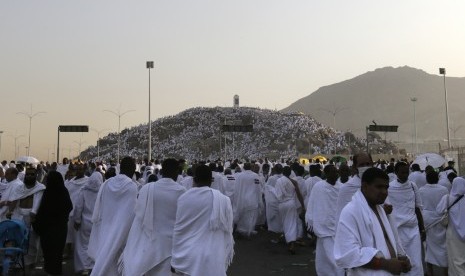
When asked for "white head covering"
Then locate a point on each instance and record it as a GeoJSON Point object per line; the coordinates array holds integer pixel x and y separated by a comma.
{"type": "Point", "coordinates": [456, 213]}
{"type": "Point", "coordinates": [95, 181]}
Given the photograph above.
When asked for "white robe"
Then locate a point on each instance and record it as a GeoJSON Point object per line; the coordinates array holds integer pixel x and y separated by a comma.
{"type": "Point", "coordinates": [346, 192]}
{"type": "Point", "coordinates": [150, 239]}
{"type": "Point", "coordinates": [217, 183]}
{"type": "Point", "coordinates": [309, 183]}
{"type": "Point", "coordinates": [6, 196]}
{"type": "Point", "coordinates": [83, 209]}
{"type": "Point", "coordinates": [321, 218]}
{"type": "Point", "coordinates": [229, 182]}
{"type": "Point", "coordinates": [359, 237]}
{"type": "Point", "coordinates": [436, 252]}
{"type": "Point", "coordinates": [248, 198]}
{"type": "Point", "coordinates": [286, 194]}
{"type": "Point", "coordinates": [187, 182]}
{"type": "Point", "coordinates": [404, 197]}
{"type": "Point", "coordinates": [24, 214]}
{"type": "Point", "coordinates": [446, 183]}
{"type": "Point", "coordinates": [456, 230]}
{"type": "Point", "coordinates": [418, 178]}
{"type": "Point", "coordinates": [202, 239]}
{"type": "Point", "coordinates": [273, 218]}
{"type": "Point", "coordinates": [74, 186]}
{"type": "Point", "coordinates": [112, 219]}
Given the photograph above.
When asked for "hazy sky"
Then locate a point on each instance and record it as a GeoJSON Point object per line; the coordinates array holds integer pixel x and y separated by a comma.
{"type": "Point", "coordinates": [73, 59]}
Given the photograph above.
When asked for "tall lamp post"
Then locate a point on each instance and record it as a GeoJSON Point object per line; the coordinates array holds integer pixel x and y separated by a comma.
{"type": "Point", "coordinates": [119, 114]}
{"type": "Point", "coordinates": [150, 66]}
{"type": "Point", "coordinates": [98, 140]}
{"type": "Point", "coordinates": [414, 101]}
{"type": "Point", "coordinates": [30, 115]}
{"type": "Point", "coordinates": [442, 71]}
{"type": "Point", "coordinates": [79, 149]}
{"type": "Point", "coordinates": [334, 111]}
{"type": "Point", "coordinates": [1, 131]}
{"type": "Point", "coordinates": [16, 137]}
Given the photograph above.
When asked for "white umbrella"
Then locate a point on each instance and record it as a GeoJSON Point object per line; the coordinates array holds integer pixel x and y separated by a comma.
{"type": "Point", "coordinates": [429, 159]}
{"type": "Point", "coordinates": [28, 159]}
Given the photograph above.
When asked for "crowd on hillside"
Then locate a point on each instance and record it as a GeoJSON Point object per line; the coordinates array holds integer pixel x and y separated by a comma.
{"type": "Point", "coordinates": [196, 133]}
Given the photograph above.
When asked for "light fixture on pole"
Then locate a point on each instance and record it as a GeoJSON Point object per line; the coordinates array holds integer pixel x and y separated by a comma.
{"type": "Point", "coordinates": [334, 111]}
{"type": "Point", "coordinates": [30, 115]}
{"type": "Point", "coordinates": [442, 71]}
{"type": "Point", "coordinates": [119, 114]}
{"type": "Point", "coordinates": [414, 101]}
{"type": "Point", "coordinates": [79, 149]}
{"type": "Point", "coordinates": [16, 137]}
{"type": "Point", "coordinates": [150, 66]}
{"type": "Point", "coordinates": [98, 140]}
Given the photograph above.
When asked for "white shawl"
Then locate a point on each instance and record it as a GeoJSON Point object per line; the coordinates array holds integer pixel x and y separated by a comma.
{"type": "Point", "coordinates": [202, 241]}
{"type": "Point", "coordinates": [456, 213]}
{"type": "Point", "coordinates": [151, 236]}
{"type": "Point", "coordinates": [112, 219]}
{"type": "Point", "coordinates": [359, 237]}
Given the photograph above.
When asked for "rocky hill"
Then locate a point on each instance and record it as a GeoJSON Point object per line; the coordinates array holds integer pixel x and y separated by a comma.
{"type": "Point", "coordinates": [195, 134]}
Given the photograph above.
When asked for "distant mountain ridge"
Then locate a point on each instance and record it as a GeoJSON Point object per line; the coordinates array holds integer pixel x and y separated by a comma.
{"type": "Point", "coordinates": [383, 96]}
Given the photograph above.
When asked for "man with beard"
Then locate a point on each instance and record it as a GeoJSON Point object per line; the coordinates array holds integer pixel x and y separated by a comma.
{"type": "Point", "coordinates": [25, 201]}
{"type": "Point", "coordinates": [366, 242]}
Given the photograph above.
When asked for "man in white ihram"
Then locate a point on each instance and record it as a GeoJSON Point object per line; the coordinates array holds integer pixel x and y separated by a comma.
{"type": "Point", "coordinates": [366, 242]}
{"type": "Point", "coordinates": [202, 239]}
{"type": "Point", "coordinates": [361, 162]}
{"type": "Point", "coordinates": [148, 249]}
{"type": "Point", "coordinates": [247, 196]}
{"type": "Point", "coordinates": [406, 213]}
{"type": "Point", "coordinates": [112, 219]}
{"type": "Point", "coordinates": [321, 218]}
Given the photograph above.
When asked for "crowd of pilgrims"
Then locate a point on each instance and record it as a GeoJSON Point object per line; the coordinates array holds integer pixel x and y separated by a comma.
{"type": "Point", "coordinates": [171, 217]}
{"type": "Point", "coordinates": [275, 134]}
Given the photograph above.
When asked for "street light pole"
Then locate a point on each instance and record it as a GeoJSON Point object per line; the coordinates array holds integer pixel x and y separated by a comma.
{"type": "Point", "coordinates": [414, 101]}
{"type": "Point", "coordinates": [442, 71]}
{"type": "Point", "coordinates": [1, 131]}
{"type": "Point", "coordinates": [119, 115]}
{"type": "Point", "coordinates": [79, 144]}
{"type": "Point", "coordinates": [336, 110]}
{"type": "Point", "coordinates": [30, 115]}
{"type": "Point", "coordinates": [150, 66]}
{"type": "Point", "coordinates": [98, 140]}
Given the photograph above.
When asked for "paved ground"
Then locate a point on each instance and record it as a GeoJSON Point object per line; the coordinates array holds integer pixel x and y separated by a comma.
{"type": "Point", "coordinates": [257, 257]}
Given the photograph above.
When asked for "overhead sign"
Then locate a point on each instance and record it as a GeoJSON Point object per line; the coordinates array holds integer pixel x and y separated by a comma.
{"type": "Point", "coordinates": [237, 128]}
{"type": "Point", "coordinates": [382, 128]}
{"type": "Point", "coordinates": [73, 128]}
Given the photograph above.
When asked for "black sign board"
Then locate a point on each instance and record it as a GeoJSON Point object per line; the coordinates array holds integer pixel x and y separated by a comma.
{"type": "Point", "coordinates": [237, 128]}
{"type": "Point", "coordinates": [73, 128]}
{"type": "Point", "coordinates": [381, 128]}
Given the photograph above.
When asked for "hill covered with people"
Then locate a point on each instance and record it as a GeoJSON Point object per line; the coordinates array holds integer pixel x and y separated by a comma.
{"type": "Point", "coordinates": [196, 133]}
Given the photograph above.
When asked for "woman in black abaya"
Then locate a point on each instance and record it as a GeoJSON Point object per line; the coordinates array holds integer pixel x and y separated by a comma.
{"type": "Point", "coordinates": [51, 222]}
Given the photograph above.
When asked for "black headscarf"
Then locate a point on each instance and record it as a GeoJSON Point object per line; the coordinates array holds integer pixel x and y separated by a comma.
{"type": "Point", "coordinates": [56, 203]}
